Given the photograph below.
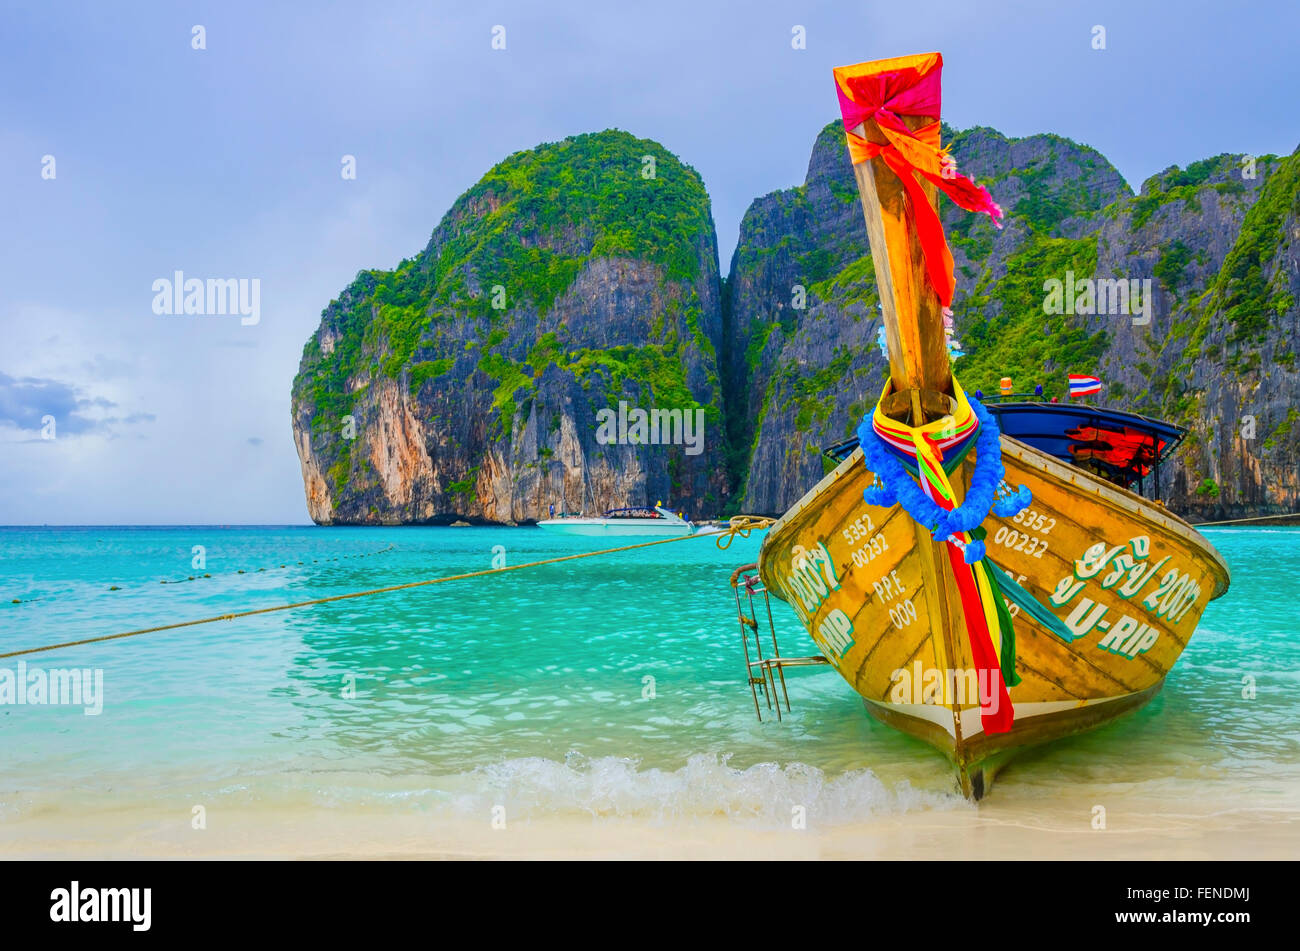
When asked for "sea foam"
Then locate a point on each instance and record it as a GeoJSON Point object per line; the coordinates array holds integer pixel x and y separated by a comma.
{"type": "Point", "coordinates": [707, 786]}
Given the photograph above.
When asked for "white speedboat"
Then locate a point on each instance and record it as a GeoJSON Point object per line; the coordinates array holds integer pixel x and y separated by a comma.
{"type": "Point", "coordinates": [654, 520]}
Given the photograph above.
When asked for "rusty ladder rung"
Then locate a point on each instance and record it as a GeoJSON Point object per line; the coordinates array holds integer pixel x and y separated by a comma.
{"type": "Point", "coordinates": [770, 669]}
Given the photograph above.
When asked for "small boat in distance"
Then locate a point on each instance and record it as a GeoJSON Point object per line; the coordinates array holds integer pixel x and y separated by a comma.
{"type": "Point", "coordinates": [635, 520]}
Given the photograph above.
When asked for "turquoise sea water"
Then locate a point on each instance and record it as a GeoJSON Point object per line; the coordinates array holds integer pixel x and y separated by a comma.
{"type": "Point", "coordinates": [531, 688]}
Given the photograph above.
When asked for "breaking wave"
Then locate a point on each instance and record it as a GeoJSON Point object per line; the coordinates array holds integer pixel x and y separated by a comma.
{"type": "Point", "coordinates": [707, 786]}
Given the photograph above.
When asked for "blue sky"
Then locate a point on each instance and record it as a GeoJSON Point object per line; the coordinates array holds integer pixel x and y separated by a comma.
{"type": "Point", "coordinates": [225, 162]}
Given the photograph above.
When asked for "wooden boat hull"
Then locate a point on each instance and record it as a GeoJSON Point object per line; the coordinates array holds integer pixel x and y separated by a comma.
{"type": "Point", "coordinates": [1127, 580]}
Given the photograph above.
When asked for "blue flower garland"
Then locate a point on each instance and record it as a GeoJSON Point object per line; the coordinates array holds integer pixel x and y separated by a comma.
{"type": "Point", "coordinates": [988, 490]}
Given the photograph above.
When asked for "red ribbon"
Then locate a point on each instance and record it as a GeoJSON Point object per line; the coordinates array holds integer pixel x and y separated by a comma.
{"type": "Point", "coordinates": [996, 713]}
{"type": "Point", "coordinates": [874, 91]}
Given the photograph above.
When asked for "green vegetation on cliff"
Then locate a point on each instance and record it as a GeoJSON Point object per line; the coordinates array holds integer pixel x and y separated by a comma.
{"type": "Point", "coordinates": [1044, 195]}
{"type": "Point", "coordinates": [1248, 299]}
{"type": "Point", "coordinates": [654, 371]}
{"type": "Point", "coordinates": [520, 235]}
{"type": "Point", "coordinates": [1183, 185]}
{"type": "Point", "coordinates": [490, 308]}
{"type": "Point", "coordinates": [1240, 297]}
{"type": "Point", "coordinates": [1022, 341]}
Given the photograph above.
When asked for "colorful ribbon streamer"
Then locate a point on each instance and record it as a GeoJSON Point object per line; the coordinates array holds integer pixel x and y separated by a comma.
{"type": "Point", "coordinates": [885, 91]}
{"type": "Point", "coordinates": [931, 453]}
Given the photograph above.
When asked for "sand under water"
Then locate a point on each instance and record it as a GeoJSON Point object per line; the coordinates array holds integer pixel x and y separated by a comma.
{"type": "Point", "coordinates": [590, 709]}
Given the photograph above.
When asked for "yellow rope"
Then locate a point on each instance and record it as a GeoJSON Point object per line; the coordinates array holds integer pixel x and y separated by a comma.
{"type": "Point", "coordinates": [1237, 521]}
{"type": "Point", "coordinates": [741, 525]}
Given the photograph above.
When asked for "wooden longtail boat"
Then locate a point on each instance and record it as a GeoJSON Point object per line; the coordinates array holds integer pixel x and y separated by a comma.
{"type": "Point", "coordinates": [1056, 607]}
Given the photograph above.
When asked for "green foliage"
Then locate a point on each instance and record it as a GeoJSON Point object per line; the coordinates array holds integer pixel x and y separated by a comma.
{"type": "Point", "coordinates": [843, 193]}
{"type": "Point", "coordinates": [814, 395]}
{"type": "Point", "coordinates": [1247, 299]}
{"type": "Point", "coordinates": [974, 235]}
{"type": "Point", "coordinates": [341, 468]}
{"type": "Point", "coordinates": [1021, 341]}
{"type": "Point", "coordinates": [594, 186]}
{"type": "Point", "coordinates": [854, 284]}
{"type": "Point", "coordinates": [464, 487]}
{"type": "Point", "coordinates": [656, 371]}
{"type": "Point", "coordinates": [1198, 173]}
{"type": "Point", "coordinates": [1283, 430]}
{"type": "Point", "coordinates": [1146, 205]}
{"type": "Point", "coordinates": [816, 265]}
{"type": "Point", "coordinates": [1048, 195]}
{"type": "Point", "coordinates": [759, 333]}
{"type": "Point", "coordinates": [1208, 487]}
{"type": "Point", "coordinates": [514, 384]}
{"type": "Point", "coordinates": [545, 351]}
{"type": "Point", "coordinates": [326, 378]}
{"type": "Point", "coordinates": [428, 370]}
{"type": "Point", "coordinates": [1184, 185]}
{"type": "Point", "coordinates": [1171, 269]}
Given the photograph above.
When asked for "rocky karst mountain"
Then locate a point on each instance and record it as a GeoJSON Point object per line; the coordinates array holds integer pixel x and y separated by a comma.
{"type": "Point", "coordinates": [606, 289]}
{"type": "Point", "coordinates": [466, 382]}
{"type": "Point", "coordinates": [1216, 241]}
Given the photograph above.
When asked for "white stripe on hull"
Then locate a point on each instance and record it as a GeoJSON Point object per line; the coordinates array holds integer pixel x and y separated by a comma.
{"type": "Point", "coordinates": [970, 716]}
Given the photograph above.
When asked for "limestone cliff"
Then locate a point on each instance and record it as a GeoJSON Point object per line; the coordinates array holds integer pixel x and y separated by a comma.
{"type": "Point", "coordinates": [467, 382]}
{"type": "Point", "coordinates": [1216, 241]}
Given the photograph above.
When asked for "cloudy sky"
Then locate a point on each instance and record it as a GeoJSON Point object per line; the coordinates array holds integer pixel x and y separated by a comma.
{"type": "Point", "coordinates": [225, 163]}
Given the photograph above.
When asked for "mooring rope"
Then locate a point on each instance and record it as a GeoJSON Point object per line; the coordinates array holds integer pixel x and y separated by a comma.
{"type": "Point", "coordinates": [1237, 521]}
{"type": "Point", "coordinates": [740, 525]}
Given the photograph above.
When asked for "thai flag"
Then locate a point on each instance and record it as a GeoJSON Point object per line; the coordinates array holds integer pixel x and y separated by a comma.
{"type": "Point", "coordinates": [1081, 385]}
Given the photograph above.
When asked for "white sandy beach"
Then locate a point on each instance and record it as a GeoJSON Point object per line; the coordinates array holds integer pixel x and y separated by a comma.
{"type": "Point", "coordinates": [1061, 830]}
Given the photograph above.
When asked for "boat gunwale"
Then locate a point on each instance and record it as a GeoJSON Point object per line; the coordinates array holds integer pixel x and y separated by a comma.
{"type": "Point", "coordinates": [1122, 497]}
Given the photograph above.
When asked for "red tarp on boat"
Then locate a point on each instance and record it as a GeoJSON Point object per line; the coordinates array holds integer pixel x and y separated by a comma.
{"type": "Point", "coordinates": [1125, 449]}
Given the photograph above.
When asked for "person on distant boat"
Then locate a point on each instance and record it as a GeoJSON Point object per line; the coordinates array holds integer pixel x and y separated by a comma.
{"type": "Point", "coordinates": [552, 510]}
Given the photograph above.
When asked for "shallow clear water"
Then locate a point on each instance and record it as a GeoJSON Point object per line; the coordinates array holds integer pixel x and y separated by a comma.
{"type": "Point", "coordinates": [531, 688]}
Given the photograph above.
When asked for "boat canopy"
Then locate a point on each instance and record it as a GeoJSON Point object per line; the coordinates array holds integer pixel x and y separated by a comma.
{"type": "Point", "coordinates": [1121, 447]}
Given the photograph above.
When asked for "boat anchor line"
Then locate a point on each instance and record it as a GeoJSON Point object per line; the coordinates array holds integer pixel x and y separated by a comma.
{"type": "Point", "coordinates": [739, 526]}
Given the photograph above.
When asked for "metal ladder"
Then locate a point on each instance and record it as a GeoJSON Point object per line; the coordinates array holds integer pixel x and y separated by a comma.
{"type": "Point", "coordinates": [763, 671]}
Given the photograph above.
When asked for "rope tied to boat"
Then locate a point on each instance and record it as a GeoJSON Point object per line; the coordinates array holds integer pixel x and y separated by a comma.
{"type": "Point", "coordinates": [741, 525]}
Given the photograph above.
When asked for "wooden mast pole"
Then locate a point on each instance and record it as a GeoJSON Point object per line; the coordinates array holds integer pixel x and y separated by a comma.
{"type": "Point", "coordinates": [919, 366]}
{"type": "Point", "coordinates": [918, 348]}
